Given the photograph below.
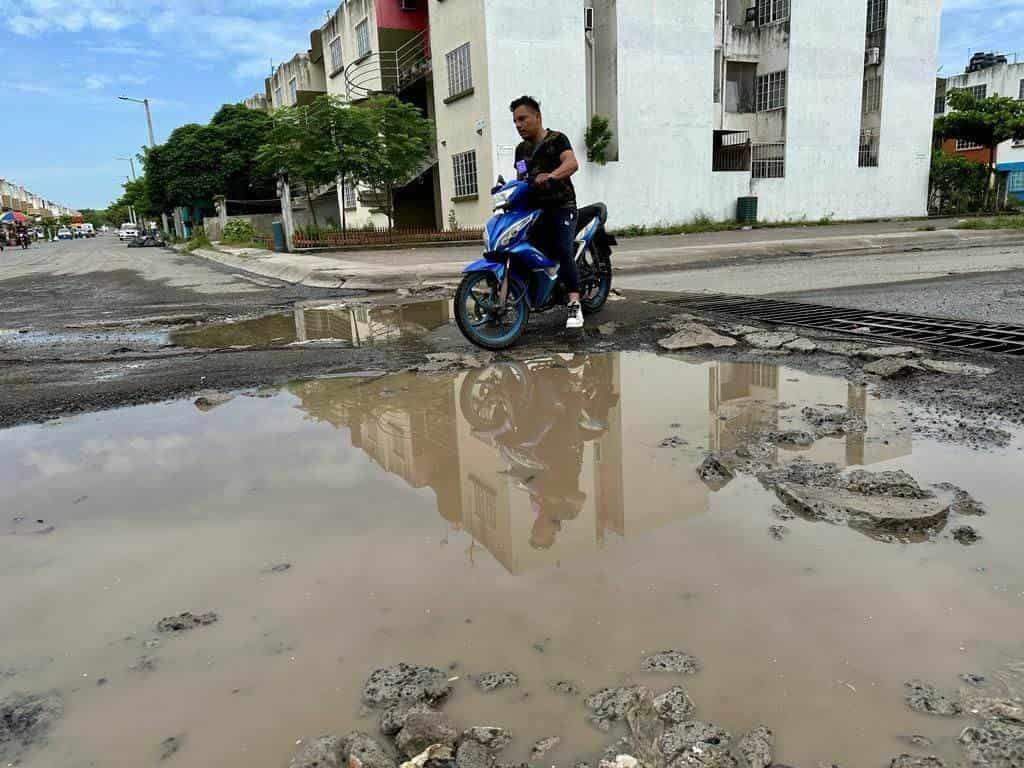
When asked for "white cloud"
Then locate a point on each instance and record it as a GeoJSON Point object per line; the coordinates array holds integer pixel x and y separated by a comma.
{"type": "Point", "coordinates": [95, 82]}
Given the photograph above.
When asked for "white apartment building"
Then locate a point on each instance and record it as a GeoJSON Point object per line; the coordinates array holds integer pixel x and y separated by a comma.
{"type": "Point", "coordinates": [295, 81]}
{"type": "Point", "coordinates": [816, 109]}
{"type": "Point", "coordinates": [991, 76]}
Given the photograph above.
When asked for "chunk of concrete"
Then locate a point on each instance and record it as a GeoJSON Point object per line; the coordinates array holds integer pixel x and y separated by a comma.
{"type": "Point", "coordinates": [893, 368]}
{"type": "Point", "coordinates": [952, 368]}
{"type": "Point", "coordinates": [769, 339]}
{"type": "Point", "coordinates": [325, 752]}
{"type": "Point", "coordinates": [756, 748]}
{"type": "Point", "coordinates": [693, 336]}
{"type": "Point", "coordinates": [881, 513]}
{"type": "Point", "coordinates": [880, 353]}
{"type": "Point", "coordinates": [801, 345]}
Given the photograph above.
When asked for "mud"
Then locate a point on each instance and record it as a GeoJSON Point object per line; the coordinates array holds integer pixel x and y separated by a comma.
{"type": "Point", "coordinates": [459, 519]}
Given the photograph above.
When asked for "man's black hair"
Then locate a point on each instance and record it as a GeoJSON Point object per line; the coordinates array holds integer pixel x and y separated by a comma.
{"type": "Point", "coordinates": [525, 101]}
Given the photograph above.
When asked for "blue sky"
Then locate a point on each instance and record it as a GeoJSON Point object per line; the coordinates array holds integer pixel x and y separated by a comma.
{"type": "Point", "coordinates": [66, 61]}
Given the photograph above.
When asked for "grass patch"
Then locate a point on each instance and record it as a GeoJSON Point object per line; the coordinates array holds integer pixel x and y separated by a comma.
{"type": "Point", "coordinates": [927, 228]}
{"type": "Point", "coordinates": [996, 222]}
{"type": "Point", "coordinates": [198, 240]}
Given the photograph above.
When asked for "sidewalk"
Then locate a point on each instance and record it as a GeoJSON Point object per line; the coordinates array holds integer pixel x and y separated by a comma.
{"type": "Point", "coordinates": [381, 270]}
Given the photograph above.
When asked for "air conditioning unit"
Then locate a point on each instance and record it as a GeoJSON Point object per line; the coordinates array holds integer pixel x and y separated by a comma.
{"type": "Point", "coordinates": [588, 19]}
{"type": "Point", "coordinates": [751, 16]}
{"type": "Point", "coordinates": [873, 57]}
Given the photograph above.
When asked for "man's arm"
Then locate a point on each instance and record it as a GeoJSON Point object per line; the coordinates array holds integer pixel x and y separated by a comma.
{"type": "Point", "coordinates": [568, 167]}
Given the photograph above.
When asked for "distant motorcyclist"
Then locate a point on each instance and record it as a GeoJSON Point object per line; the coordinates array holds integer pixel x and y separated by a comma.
{"type": "Point", "coordinates": [546, 159]}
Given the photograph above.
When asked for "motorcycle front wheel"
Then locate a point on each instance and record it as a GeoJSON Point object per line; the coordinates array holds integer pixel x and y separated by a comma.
{"type": "Point", "coordinates": [481, 317]}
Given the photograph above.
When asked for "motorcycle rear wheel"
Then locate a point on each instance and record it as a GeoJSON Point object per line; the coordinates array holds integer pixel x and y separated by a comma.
{"type": "Point", "coordinates": [595, 281]}
{"type": "Point", "coordinates": [479, 317]}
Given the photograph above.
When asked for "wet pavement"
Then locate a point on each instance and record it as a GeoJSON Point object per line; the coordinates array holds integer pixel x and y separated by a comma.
{"type": "Point", "coordinates": [543, 517]}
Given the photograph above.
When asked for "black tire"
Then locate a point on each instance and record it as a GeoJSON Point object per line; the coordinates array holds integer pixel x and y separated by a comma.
{"type": "Point", "coordinates": [596, 272]}
{"type": "Point", "coordinates": [470, 317]}
{"type": "Point", "coordinates": [488, 396]}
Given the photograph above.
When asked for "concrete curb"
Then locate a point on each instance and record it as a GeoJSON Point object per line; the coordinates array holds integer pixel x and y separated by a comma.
{"type": "Point", "coordinates": [318, 271]}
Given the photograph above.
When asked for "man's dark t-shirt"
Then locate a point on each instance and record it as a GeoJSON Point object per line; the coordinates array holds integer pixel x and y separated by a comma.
{"type": "Point", "coordinates": [545, 158]}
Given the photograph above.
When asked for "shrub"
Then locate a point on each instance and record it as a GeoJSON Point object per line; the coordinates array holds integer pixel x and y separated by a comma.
{"type": "Point", "coordinates": [198, 240]}
{"type": "Point", "coordinates": [598, 139]}
{"type": "Point", "coordinates": [238, 231]}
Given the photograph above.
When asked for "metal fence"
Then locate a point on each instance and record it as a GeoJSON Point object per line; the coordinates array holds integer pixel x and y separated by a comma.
{"type": "Point", "coordinates": [769, 160]}
{"type": "Point", "coordinates": [335, 238]}
{"type": "Point", "coordinates": [731, 152]}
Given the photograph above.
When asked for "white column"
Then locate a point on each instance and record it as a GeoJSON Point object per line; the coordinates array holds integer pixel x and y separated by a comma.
{"type": "Point", "coordinates": [286, 214]}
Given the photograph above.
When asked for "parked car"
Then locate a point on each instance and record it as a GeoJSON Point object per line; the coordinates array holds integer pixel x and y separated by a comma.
{"type": "Point", "coordinates": [128, 232]}
{"type": "Point", "coordinates": [88, 230]}
{"type": "Point", "coordinates": [64, 234]}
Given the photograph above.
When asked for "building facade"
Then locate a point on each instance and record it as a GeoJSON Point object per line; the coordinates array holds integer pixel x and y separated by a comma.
{"type": "Point", "coordinates": [815, 114]}
{"type": "Point", "coordinates": [296, 81]}
{"type": "Point", "coordinates": [989, 75]}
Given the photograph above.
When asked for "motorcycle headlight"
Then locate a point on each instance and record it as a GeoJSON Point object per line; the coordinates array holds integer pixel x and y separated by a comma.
{"type": "Point", "coordinates": [512, 232]}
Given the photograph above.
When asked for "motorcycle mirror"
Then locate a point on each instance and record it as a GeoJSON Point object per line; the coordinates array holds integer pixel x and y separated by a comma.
{"type": "Point", "coordinates": [501, 181]}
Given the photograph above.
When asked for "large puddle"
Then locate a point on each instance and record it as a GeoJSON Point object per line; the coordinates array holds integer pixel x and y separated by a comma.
{"type": "Point", "coordinates": [544, 518]}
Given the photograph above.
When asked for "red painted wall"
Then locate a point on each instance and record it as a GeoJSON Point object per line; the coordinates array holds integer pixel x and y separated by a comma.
{"type": "Point", "coordinates": [391, 16]}
{"type": "Point", "coordinates": [977, 155]}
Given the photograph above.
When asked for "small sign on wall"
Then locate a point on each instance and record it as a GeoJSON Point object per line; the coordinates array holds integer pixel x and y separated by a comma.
{"type": "Point", "coordinates": [480, 125]}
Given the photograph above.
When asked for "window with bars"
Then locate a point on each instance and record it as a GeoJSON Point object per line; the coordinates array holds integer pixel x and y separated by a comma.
{"type": "Point", "coordinates": [868, 156]}
{"type": "Point", "coordinates": [349, 195]}
{"type": "Point", "coordinates": [464, 167]}
{"type": "Point", "coordinates": [336, 54]}
{"type": "Point", "coordinates": [363, 37]}
{"type": "Point", "coordinates": [485, 502]}
{"type": "Point", "coordinates": [293, 91]}
{"type": "Point", "coordinates": [1016, 181]}
{"type": "Point", "coordinates": [940, 104]}
{"type": "Point", "coordinates": [1021, 96]}
{"type": "Point", "coordinates": [963, 145]}
{"type": "Point", "coordinates": [979, 92]}
{"type": "Point", "coordinates": [872, 94]}
{"type": "Point", "coordinates": [769, 160]}
{"type": "Point", "coordinates": [876, 15]}
{"type": "Point", "coordinates": [771, 11]}
{"type": "Point", "coordinates": [278, 97]}
{"type": "Point", "coordinates": [771, 91]}
{"type": "Point", "coordinates": [460, 70]}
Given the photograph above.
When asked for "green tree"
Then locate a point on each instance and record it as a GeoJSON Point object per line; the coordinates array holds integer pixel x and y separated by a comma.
{"type": "Point", "coordinates": [986, 122]}
{"type": "Point", "coordinates": [401, 150]}
{"type": "Point", "coordinates": [957, 185]}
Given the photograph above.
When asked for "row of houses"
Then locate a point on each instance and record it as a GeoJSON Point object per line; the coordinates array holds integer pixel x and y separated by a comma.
{"type": "Point", "coordinates": [14, 197]}
{"type": "Point", "coordinates": [815, 114]}
{"type": "Point", "coordinates": [989, 75]}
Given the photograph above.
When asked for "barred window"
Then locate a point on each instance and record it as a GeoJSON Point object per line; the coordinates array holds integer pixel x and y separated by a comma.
{"type": "Point", "coordinates": [350, 200]}
{"type": "Point", "coordinates": [872, 94]}
{"type": "Point", "coordinates": [278, 97]}
{"type": "Point", "coordinates": [769, 160]}
{"type": "Point", "coordinates": [876, 15]}
{"type": "Point", "coordinates": [868, 155]}
{"type": "Point", "coordinates": [979, 92]}
{"type": "Point", "coordinates": [940, 104]}
{"type": "Point", "coordinates": [293, 91]}
{"type": "Point", "coordinates": [336, 54]}
{"type": "Point", "coordinates": [771, 91]}
{"type": "Point", "coordinates": [1016, 181]}
{"type": "Point", "coordinates": [464, 165]}
{"type": "Point", "coordinates": [460, 70]}
{"type": "Point", "coordinates": [363, 37]}
{"type": "Point", "coordinates": [485, 502]}
{"type": "Point", "coordinates": [963, 145]}
{"type": "Point", "coordinates": [770, 11]}
{"type": "Point", "coordinates": [1021, 96]}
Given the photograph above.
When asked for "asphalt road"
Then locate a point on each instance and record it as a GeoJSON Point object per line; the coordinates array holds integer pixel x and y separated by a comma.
{"type": "Point", "coordinates": [52, 285]}
{"type": "Point", "coordinates": [800, 274]}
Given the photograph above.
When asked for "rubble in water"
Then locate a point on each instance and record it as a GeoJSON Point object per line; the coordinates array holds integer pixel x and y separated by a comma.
{"type": "Point", "coordinates": [26, 720]}
{"type": "Point", "coordinates": [405, 683]}
{"type": "Point", "coordinates": [671, 661]}
{"type": "Point", "coordinates": [922, 697]}
{"type": "Point", "coordinates": [492, 681]}
{"type": "Point", "coordinates": [186, 621]}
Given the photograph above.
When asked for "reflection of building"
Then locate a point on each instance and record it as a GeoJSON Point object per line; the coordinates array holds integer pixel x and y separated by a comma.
{"type": "Point", "coordinates": [536, 485]}
{"type": "Point", "coordinates": [745, 400]}
{"type": "Point", "coordinates": [359, 326]}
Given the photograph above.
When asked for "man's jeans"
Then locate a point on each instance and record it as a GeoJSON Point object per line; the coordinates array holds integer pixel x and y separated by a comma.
{"type": "Point", "coordinates": [554, 235]}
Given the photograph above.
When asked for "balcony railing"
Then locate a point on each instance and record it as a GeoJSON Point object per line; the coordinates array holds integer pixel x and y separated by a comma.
{"type": "Point", "coordinates": [389, 71]}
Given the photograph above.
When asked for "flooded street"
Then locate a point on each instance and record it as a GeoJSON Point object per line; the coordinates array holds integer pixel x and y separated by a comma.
{"type": "Point", "coordinates": [545, 518]}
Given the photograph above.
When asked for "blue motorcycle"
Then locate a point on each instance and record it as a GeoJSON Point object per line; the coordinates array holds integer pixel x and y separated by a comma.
{"type": "Point", "coordinates": [499, 291]}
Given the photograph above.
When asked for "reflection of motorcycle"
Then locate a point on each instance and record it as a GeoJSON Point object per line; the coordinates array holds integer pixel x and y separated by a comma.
{"type": "Point", "coordinates": [538, 414]}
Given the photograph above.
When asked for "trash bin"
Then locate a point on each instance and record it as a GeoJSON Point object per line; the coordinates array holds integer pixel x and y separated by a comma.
{"type": "Point", "coordinates": [277, 228]}
{"type": "Point", "coordinates": [746, 210]}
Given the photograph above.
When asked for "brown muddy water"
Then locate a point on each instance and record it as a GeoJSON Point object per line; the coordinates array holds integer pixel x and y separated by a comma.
{"type": "Point", "coordinates": [550, 531]}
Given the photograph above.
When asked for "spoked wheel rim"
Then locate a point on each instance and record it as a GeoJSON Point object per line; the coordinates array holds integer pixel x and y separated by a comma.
{"type": "Point", "coordinates": [483, 313]}
{"type": "Point", "coordinates": [594, 286]}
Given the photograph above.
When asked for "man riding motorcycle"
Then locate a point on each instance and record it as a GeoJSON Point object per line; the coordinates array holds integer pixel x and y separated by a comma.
{"type": "Point", "coordinates": [546, 159]}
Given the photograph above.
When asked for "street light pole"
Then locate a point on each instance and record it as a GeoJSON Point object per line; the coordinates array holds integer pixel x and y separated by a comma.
{"type": "Point", "coordinates": [152, 137]}
{"type": "Point", "coordinates": [131, 160]}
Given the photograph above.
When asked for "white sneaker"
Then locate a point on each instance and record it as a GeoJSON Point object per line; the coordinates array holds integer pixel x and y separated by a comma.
{"type": "Point", "coordinates": [575, 320]}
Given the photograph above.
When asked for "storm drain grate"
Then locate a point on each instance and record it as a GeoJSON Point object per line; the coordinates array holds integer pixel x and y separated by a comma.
{"type": "Point", "coordinates": [964, 335]}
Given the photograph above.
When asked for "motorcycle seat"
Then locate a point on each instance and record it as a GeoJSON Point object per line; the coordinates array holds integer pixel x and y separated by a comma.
{"type": "Point", "coordinates": [590, 212]}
